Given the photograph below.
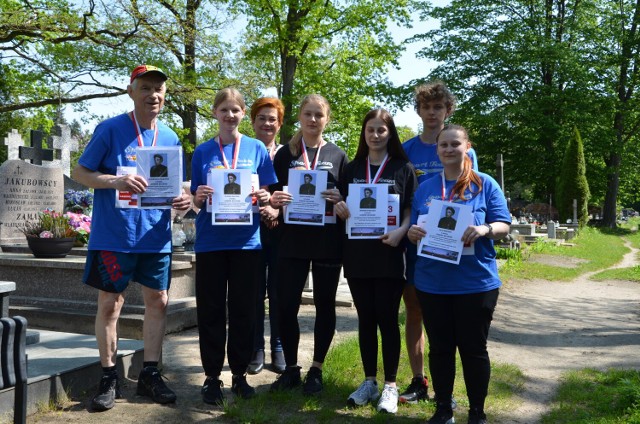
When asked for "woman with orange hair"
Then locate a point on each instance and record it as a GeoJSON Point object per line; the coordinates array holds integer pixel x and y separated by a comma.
{"type": "Point", "coordinates": [458, 301]}
{"type": "Point", "coordinates": [267, 115]}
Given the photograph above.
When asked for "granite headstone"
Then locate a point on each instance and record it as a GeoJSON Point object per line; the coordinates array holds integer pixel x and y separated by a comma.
{"type": "Point", "coordinates": [26, 190]}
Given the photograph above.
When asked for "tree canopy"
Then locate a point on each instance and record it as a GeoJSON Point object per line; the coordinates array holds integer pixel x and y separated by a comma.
{"type": "Point", "coordinates": [527, 72]}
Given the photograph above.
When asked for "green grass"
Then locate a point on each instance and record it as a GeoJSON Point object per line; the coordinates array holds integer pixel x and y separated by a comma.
{"type": "Point", "coordinates": [343, 373]}
{"type": "Point", "coordinates": [596, 397]}
{"type": "Point", "coordinates": [599, 248]}
{"type": "Point", "coordinates": [626, 274]}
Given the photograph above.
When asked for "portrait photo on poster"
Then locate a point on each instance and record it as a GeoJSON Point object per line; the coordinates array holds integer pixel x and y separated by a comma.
{"type": "Point", "coordinates": [448, 219]}
{"type": "Point", "coordinates": [233, 183]}
{"type": "Point", "coordinates": [307, 187]}
{"type": "Point", "coordinates": [367, 200]}
{"type": "Point", "coordinates": [159, 169]}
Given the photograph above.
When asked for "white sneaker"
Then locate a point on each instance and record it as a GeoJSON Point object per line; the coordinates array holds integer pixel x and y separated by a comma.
{"type": "Point", "coordinates": [367, 392]}
{"type": "Point", "coordinates": [389, 400]}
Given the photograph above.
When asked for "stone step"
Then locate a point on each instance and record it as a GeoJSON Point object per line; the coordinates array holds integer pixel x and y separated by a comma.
{"type": "Point", "coordinates": [67, 364]}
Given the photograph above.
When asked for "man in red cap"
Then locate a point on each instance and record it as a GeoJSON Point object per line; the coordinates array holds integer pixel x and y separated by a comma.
{"type": "Point", "coordinates": [128, 243]}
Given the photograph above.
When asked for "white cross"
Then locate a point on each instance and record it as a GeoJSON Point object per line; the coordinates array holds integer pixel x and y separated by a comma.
{"type": "Point", "coordinates": [13, 141]}
{"type": "Point", "coordinates": [63, 141]}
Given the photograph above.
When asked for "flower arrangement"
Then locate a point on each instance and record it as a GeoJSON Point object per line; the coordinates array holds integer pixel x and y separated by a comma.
{"type": "Point", "coordinates": [78, 201]}
{"type": "Point", "coordinates": [81, 224]}
{"type": "Point", "coordinates": [50, 224]}
{"type": "Point", "coordinates": [77, 205]}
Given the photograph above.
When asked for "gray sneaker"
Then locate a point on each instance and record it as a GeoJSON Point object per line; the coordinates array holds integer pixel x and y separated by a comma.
{"type": "Point", "coordinates": [367, 392]}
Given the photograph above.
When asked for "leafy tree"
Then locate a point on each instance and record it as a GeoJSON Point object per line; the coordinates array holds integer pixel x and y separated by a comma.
{"type": "Point", "coordinates": [340, 49]}
{"type": "Point", "coordinates": [529, 71]}
{"type": "Point", "coordinates": [57, 52]}
{"type": "Point", "coordinates": [572, 182]}
{"type": "Point", "coordinates": [513, 67]}
{"type": "Point", "coordinates": [619, 40]}
{"type": "Point", "coordinates": [405, 133]}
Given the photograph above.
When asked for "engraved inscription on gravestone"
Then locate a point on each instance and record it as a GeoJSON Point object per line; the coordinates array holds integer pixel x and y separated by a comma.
{"type": "Point", "coordinates": [25, 190]}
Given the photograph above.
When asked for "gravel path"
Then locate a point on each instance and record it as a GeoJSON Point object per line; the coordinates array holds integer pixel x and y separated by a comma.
{"type": "Point", "coordinates": [548, 328]}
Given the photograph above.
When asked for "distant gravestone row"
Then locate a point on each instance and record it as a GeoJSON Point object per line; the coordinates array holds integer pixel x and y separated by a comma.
{"type": "Point", "coordinates": [33, 179]}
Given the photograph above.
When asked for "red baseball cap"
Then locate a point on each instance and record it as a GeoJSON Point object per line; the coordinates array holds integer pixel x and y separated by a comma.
{"type": "Point", "coordinates": [145, 69]}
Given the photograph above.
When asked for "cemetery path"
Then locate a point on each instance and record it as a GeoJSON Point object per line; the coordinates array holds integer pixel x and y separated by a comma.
{"type": "Point", "coordinates": [548, 328]}
{"type": "Point", "coordinates": [545, 328]}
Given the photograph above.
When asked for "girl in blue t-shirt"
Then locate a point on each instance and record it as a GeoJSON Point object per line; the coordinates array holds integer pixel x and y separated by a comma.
{"type": "Point", "coordinates": [228, 257]}
{"type": "Point", "coordinates": [458, 301]}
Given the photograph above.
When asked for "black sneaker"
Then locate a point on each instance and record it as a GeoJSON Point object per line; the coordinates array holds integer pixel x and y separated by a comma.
{"type": "Point", "coordinates": [312, 382]}
{"type": "Point", "coordinates": [212, 392]}
{"type": "Point", "coordinates": [443, 415]}
{"type": "Point", "coordinates": [289, 379]}
{"type": "Point", "coordinates": [241, 388]}
{"type": "Point", "coordinates": [151, 384]}
{"type": "Point", "coordinates": [278, 363]}
{"type": "Point", "coordinates": [476, 417]}
{"type": "Point", "coordinates": [108, 392]}
{"type": "Point", "coordinates": [257, 362]}
{"type": "Point", "coordinates": [418, 390]}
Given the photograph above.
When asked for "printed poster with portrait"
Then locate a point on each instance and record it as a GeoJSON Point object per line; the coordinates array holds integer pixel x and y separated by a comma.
{"type": "Point", "coordinates": [162, 168]}
{"type": "Point", "coordinates": [368, 205]}
{"type": "Point", "coordinates": [308, 206]}
{"type": "Point", "coordinates": [231, 202]}
{"type": "Point", "coordinates": [445, 224]}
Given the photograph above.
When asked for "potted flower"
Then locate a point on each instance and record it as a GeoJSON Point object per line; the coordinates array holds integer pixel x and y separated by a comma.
{"type": "Point", "coordinates": [51, 235]}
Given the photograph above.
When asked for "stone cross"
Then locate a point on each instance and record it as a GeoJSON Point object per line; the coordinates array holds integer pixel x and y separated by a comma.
{"type": "Point", "coordinates": [36, 153]}
{"type": "Point", "coordinates": [13, 141]}
{"type": "Point", "coordinates": [63, 141]}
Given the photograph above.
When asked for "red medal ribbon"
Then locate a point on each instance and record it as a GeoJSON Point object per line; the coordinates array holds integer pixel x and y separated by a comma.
{"type": "Point", "coordinates": [236, 152]}
{"type": "Point", "coordinates": [139, 132]}
{"type": "Point", "coordinates": [385, 160]}
{"type": "Point", "coordinates": [443, 189]}
{"type": "Point", "coordinates": [305, 157]}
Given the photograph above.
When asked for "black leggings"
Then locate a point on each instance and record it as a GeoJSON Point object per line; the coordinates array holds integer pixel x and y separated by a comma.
{"type": "Point", "coordinates": [377, 302]}
{"type": "Point", "coordinates": [460, 321]}
{"type": "Point", "coordinates": [292, 274]}
{"type": "Point", "coordinates": [232, 273]}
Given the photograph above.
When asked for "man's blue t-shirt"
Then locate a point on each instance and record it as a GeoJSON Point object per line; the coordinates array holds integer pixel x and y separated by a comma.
{"type": "Point", "coordinates": [254, 156]}
{"type": "Point", "coordinates": [114, 144]}
{"type": "Point", "coordinates": [425, 160]}
{"type": "Point", "coordinates": [478, 272]}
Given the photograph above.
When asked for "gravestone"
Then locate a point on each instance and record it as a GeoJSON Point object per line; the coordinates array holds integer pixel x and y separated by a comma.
{"type": "Point", "coordinates": [26, 190]}
{"type": "Point", "coordinates": [551, 229]}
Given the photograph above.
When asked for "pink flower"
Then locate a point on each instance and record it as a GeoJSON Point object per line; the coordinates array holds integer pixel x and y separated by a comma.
{"type": "Point", "coordinates": [46, 234]}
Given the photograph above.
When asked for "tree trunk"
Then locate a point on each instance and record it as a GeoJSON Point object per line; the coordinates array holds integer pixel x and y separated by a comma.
{"type": "Point", "coordinates": [289, 65]}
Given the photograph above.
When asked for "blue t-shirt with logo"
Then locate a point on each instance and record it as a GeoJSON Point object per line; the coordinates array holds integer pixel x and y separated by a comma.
{"type": "Point", "coordinates": [252, 155]}
{"type": "Point", "coordinates": [114, 143]}
{"type": "Point", "coordinates": [477, 272]}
